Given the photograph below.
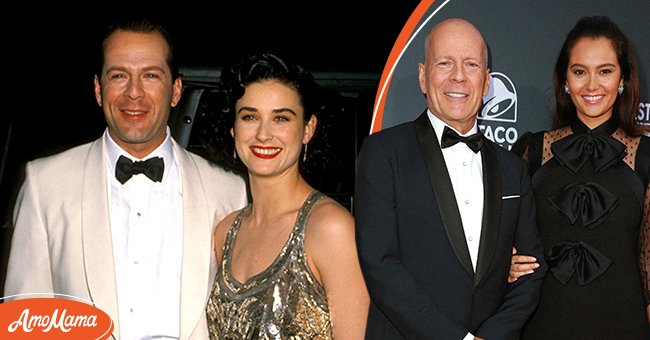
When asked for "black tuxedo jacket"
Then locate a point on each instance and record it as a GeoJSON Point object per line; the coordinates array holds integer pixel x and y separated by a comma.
{"type": "Point", "coordinates": [412, 247]}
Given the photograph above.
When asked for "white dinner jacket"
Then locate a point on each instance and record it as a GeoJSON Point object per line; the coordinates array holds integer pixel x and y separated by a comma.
{"type": "Point", "coordinates": [62, 238]}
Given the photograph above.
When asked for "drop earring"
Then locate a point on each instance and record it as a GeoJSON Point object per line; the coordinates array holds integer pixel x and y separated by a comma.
{"type": "Point", "coordinates": [234, 153]}
{"type": "Point", "coordinates": [566, 88]}
{"type": "Point", "coordinates": [620, 89]}
{"type": "Point", "coordinates": [304, 155]}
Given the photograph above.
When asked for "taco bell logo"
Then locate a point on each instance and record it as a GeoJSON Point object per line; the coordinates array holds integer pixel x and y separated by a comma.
{"type": "Point", "coordinates": [500, 104]}
{"type": "Point", "coordinates": [644, 113]}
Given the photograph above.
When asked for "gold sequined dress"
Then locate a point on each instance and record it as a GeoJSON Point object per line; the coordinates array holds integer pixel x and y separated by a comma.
{"type": "Point", "coordinates": [282, 302]}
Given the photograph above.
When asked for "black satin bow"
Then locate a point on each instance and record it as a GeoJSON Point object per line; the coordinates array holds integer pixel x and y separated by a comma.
{"type": "Point", "coordinates": [576, 257]}
{"type": "Point", "coordinates": [574, 150]}
{"type": "Point", "coordinates": [589, 201]}
{"type": "Point", "coordinates": [451, 137]}
{"type": "Point", "coordinates": [152, 168]}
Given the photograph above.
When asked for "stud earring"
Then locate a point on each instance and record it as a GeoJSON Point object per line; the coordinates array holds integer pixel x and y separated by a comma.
{"type": "Point", "coordinates": [620, 89]}
{"type": "Point", "coordinates": [566, 88]}
{"type": "Point", "coordinates": [304, 155]}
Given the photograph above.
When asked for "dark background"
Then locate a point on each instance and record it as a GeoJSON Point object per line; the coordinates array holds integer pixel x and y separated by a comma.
{"type": "Point", "coordinates": [49, 54]}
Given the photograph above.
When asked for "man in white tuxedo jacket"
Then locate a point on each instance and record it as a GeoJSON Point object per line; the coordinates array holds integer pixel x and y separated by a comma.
{"type": "Point", "coordinates": [125, 221]}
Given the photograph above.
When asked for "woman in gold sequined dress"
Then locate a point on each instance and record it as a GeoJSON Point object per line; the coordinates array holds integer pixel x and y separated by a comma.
{"type": "Point", "coordinates": [288, 265]}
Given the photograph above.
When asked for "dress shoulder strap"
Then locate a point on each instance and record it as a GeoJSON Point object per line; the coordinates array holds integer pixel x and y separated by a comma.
{"type": "Point", "coordinates": [305, 211]}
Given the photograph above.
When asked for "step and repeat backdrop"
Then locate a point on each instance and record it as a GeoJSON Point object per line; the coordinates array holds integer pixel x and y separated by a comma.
{"type": "Point", "coordinates": [524, 38]}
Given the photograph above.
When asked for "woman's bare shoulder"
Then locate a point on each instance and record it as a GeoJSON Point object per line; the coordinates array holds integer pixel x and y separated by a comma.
{"type": "Point", "coordinates": [330, 221]}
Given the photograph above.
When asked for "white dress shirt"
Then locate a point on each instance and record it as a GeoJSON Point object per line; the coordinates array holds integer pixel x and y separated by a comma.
{"type": "Point", "coordinates": [466, 173]}
{"type": "Point", "coordinates": [146, 221]}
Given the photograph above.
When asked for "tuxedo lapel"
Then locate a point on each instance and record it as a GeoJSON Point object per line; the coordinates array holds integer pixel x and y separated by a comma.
{"type": "Point", "coordinates": [491, 209]}
{"type": "Point", "coordinates": [96, 235]}
{"type": "Point", "coordinates": [197, 265]}
{"type": "Point", "coordinates": [443, 190]}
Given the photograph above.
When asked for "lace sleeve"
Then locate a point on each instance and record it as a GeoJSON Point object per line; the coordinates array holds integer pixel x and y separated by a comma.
{"type": "Point", "coordinates": [645, 246]}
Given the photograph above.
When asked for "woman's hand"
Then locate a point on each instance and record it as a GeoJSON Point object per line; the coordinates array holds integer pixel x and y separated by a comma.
{"type": "Point", "coordinates": [521, 265]}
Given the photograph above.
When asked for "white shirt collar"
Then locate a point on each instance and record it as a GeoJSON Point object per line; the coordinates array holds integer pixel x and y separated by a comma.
{"type": "Point", "coordinates": [439, 125]}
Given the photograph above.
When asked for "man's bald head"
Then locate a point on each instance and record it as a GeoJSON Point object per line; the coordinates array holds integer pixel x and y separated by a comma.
{"type": "Point", "coordinates": [457, 27]}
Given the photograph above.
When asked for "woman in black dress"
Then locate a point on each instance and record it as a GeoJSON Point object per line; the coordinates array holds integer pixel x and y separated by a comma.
{"type": "Point", "coordinates": [590, 178]}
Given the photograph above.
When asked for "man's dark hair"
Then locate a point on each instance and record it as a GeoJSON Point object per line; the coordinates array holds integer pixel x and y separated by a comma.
{"type": "Point", "coordinates": [139, 25]}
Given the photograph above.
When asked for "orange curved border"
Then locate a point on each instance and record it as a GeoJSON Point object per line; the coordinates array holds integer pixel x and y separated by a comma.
{"type": "Point", "coordinates": [398, 47]}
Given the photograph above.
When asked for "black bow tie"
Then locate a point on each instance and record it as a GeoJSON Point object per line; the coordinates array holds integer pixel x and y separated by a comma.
{"type": "Point", "coordinates": [450, 137]}
{"type": "Point", "coordinates": [574, 150]}
{"type": "Point", "coordinates": [152, 168]}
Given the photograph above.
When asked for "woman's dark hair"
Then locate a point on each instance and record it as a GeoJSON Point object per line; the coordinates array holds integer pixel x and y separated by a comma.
{"type": "Point", "coordinates": [267, 66]}
{"type": "Point", "coordinates": [627, 103]}
{"type": "Point", "coordinates": [139, 25]}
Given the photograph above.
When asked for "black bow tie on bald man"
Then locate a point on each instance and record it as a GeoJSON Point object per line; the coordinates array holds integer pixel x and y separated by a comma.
{"type": "Point", "coordinates": [451, 137]}
{"type": "Point", "coordinates": [152, 168]}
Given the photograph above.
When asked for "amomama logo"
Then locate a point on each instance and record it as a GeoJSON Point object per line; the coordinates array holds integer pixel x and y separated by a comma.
{"type": "Point", "coordinates": [53, 318]}
{"type": "Point", "coordinates": [500, 104]}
